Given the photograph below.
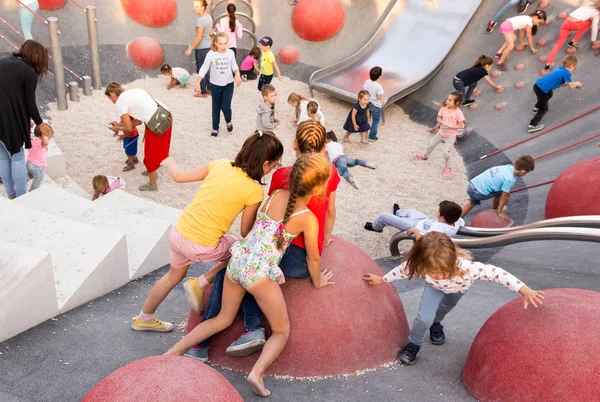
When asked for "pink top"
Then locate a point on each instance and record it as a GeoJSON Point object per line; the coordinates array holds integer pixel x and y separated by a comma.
{"type": "Point", "coordinates": [114, 183]}
{"type": "Point", "coordinates": [223, 26]}
{"type": "Point", "coordinates": [38, 155]}
{"type": "Point", "coordinates": [451, 117]}
{"type": "Point", "coordinates": [248, 63]}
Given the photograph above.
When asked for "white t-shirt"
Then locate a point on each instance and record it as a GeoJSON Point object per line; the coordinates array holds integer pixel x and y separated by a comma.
{"type": "Point", "coordinates": [334, 150]}
{"type": "Point", "coordinates": [221, 65]}
{"type": "Point", "coordinates": [433, 225]}
{"type": "Point", "coordinates": [375, 89]}
{"type": "Point", "coordinates": [521, 22]}
{"type": "Point", "coordinates": [179, 72]}
{"type": "Point", "coordinates": [137, 103]}
{"type": "Point", "coordinates": [304, 114]}
{"type": "Point", "coordinates": [586, 14]}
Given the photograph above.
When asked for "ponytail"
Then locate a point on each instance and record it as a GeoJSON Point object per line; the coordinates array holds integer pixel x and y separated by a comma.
{"type": "Point", "coordinates": [231, 13]}
{"type": "Point", "coordinates": [483, 60]}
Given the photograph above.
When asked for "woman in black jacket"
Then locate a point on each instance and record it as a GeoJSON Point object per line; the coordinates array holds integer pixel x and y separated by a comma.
{"type": "Point", "coordinates": [19, 75]}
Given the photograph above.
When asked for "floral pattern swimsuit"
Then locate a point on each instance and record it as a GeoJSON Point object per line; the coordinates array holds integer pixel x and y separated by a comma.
{"type": "Point", "coordinates": [257, 256]}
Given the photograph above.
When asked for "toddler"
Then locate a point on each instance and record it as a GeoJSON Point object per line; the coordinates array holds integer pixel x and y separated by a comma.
{"type": "Point", "coordinates": [376, 92]}
{"type": "Point", "coordinates": [249, 67]}
{"type": "Point", "coordinates": [267, 63]}
{"type": "Point", "coordinates": [104, 185]}
{"type": "Point", "coordinates": [341, 161]}
{"type": "Point", "coordinates": [130, 144]}
{"type": "Point", "coordinates": [358, 117]}
{"type": "Point", "coordinates": [37, 158]}
{"type": "Point", "coordinates": [179, 76]}
{"type": "Point", "coordinates": [300, 104]}
{"type": "Point", "coordinates": [265, 112]}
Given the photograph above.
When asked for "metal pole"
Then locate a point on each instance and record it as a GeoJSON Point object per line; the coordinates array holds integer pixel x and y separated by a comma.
{"type": "Point", "coordinates": [87, 85]}
{"type": "Point", "coordinates": [94, 52]}
{"type": "Point", "coordinates": [74, 91]}
{"type": "Point", "coordinates": [57, 60]}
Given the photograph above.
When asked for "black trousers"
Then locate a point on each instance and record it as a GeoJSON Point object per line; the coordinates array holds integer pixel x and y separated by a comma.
{"type": "Point", "coordinates": [541, 105]}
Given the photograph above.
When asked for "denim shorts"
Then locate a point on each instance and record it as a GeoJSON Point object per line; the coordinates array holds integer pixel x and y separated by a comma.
{"type": "Point", "coordinates": [475, 197]}
{"type": "Point", "coordinates": [130, 145]}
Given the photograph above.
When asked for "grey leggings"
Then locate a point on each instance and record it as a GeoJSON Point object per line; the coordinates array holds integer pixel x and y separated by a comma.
{"type": "Point", "coordinates": [434, 142]}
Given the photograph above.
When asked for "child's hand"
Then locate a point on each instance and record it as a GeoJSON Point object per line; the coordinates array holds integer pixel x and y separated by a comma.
{"type": "Point", "coordinates": [280, 78]}
{"type": "Point", "coordinates": [327, 242]}
{"type": "Point", "coordinates": [188, 52]}
{"type": "Point", "coordinates": [414, 232]}
{"type": "Point", "coordinates": [324, 278]}
{"type": "Point", "coordinates": [197, 87]}
{"type": "Point", "coordinates": [579, 85]}
{"type": "Point", "coordinates": [534, 51]}
{"type": "Point", "coordinates": [119, 138]}
{"type": "Point", "coordinates": [373, 279]}
{"type": "Point", "coordinates": [356, 127]}
{"type": "Point", "coordinates": [531, 296]}
{"type": "Point", "coordinates": [503, 216]}
{"type": "Point", "coordinates": [113, 126]}
{"type": "Point", "coordinates": [238, 80]}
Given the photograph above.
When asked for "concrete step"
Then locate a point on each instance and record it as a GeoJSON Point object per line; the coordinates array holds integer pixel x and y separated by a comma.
{"type": "Point", "coordinates": [56, 161]}
{"type": "Point", "coordinates": [124, 201]}
{"type": "Point", "coordinates": [147, 239]}
{"type": "Point", "coordinates": [27, 294]}
{"type": "Point", "coordinates": [67, 183]}
{"type": "Point", "coordinates": [88, 261]}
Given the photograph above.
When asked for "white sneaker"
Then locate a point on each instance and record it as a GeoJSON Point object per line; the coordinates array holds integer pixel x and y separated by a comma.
{"type": "Point", "coordinates": [371, 165]}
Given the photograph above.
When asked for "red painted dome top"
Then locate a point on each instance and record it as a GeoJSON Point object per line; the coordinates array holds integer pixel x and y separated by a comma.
{"type": "Point", "coordinates": [318, 20]}
{"type": "Point", "coordinates": [490, 219]}
{"type": "Point", "coordinates": [51, 4]}
{"type": "Point", "coordinates": [151, 13]}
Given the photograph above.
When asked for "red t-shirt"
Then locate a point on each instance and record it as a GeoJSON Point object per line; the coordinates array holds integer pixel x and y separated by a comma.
{"type": "Point", "coordinates": [318, 206]}
{"type": "Point", "coordinates": [135, 131]}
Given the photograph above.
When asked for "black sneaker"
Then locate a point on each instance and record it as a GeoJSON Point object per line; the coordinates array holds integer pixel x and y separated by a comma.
{"type": "Point", "coordinates": [523, 7]}
{"type": "Point", "coordinates": [436, 334]}
{"type": "Point", "coordinates": [369, 227]}
{"type": "Point", "coordinates": [468, 102]}
{"type": "Point", "coordinates": [409, 353]}
{"type": "Point", "coordinates": [533, 129]}
{"type": "Point", "coordinates": [535, 110]}
{"type": "Point", "coordinates": [573, 44]}
{"type": "Point", "coordinates": [491, 26]}
{"type": "Point", "coordinates": [395, 208]}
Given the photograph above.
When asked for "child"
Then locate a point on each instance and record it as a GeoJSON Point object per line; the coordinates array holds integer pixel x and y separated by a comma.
{"type": "Point", "coordinates": [470, 77]}
{"type": "Point", "coordinates": [253, 267]}
{"type": "Point", "coordinates": [313, 112]}
{"type": "Point", "coordinates": [300, 104]}
{"type": "Point", "coordinates": [451, 119]}
{"type": "Point", "coordinates": [358, 118]}
{"type": "Point", "coordinates": [544, 86]}
{"type": "Point", "coordinates": [103, 185]}
{"type": "Point", "coordinates": [231, 26]}
{"type": "Point", "coordinates": [37, 158]}
{"type": "Point", "coordinates": [521, 23]}
{"type": "Point", "coordinates": [179, 76]}
{"type": "Point", "coordinates": [267, 63]}
{"type": "Point", "coordinates": [376, 92]}
{"type": "Point", "coordinates": [310, 138]}
{"type": "Point", "coordinates": [130, 145]}
{"type": "Point", "coordinates": [448, 272]}
{"type": "Point", "coordinates": [523, 5]}
{"type": "Point", "coordinates": [579, 20]}
{"type": "Point", "coordinates": [199, 234]}
{"type": "Point", "coordinates": [265, 112]}
{"type": "Point", "coordinates": [415, 223]}
{"type": "Point", "coordinates": [249, 68]}
{"type": "Point", "coordinates": [220, 61]}
{"type": "Point", "coordinates": [335, 152]}
{"type": "Point", "coordinates": [496, 183]}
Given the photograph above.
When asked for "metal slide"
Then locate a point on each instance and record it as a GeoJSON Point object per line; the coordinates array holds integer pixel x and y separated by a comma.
{"type": "Point", "coordinates": [411, 46]}
{"type": "Point", "coordinates": [585, 221]}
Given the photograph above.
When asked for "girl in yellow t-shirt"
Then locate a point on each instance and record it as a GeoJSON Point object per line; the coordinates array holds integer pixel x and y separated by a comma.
{"type": "Point", "coordinates": [227, 189]}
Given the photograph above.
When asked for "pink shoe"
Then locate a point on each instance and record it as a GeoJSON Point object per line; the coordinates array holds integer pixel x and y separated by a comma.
{"type": "Point", "coordinates": [423, 157]}
{"type": "Point", "coordinates": [447, 172]}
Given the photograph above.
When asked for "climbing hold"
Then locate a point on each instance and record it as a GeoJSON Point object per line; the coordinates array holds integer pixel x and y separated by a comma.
{"type": "Point", "coordinates": [562, 15]}
{"type": "Point", "coordinates": [145, 52]}
{"type": "Point", "coordinates": [520, 48]}
{"type": "Point", "coordinates": [543, 4]}
{"type": "Point", "coordinates": [571, 50]}
{"type": "Point", "coordinates": [519, 84]}
{"type": "Point", "coordinates": [51, 4]}
{"type": "Point", "coordinates": [544, 72]}
{"type": "Point", "coordinates": [473, 106]}
{"type": "Point", "coordinates": [519, 66]}
{"type": "Point", "coordinates": [500, 89]}
{"type": "Point", "coordinates": [476, 92]}
{"type": "Point", "coordinates": [543, 59]}
{"type": "Point", "coordinates": [318, 20]}
{"type": "Point", "coordinates": [468, 130]}
{"type": "Point", "coordinates": [151, 13]}
{"type": "Point", "coordinates": [500, 106]}
{"type": "Point", "coordinates": [489, 219]}
{"type": "Point", "coordinates": [288, 55]}
{"type": "Point", "coordinates": [495, 74]}
{"type": "Point", "coordinates": [542, 42]}
{"type": "Point", "coordinates": [547, 23]}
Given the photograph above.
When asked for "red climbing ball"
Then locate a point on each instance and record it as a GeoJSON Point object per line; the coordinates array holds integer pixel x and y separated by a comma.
{"type": "Point", "coordinates": [145, 52]}
{"type": "Point", "coordinates": [542, 42]}
{"type": "Point", "coordinates": [543, 59]}
{"type": "Point", "coordinates": [519, 48]}
{"type": "Point", "coordinates": [519, 84]}
{"type": "Point", "coordinates": [495, 74]}
{"type": "Point", "coordinates": [519, 66]}
{"type": "Point", "coordinates": [544, 72]}
{"type": "Point", "coordinates": [318, 20]}
{"type": "Point", "coordinates": [499, 106]}
{"type": "Point", "coordinates": [473, 106]}
{"type": "Point", "coordinates": [288, 55]}
{"type": "Point", "coordinates": [571, 50]}
{"type": "Point", "coordinates": [477, 92]}
{"type": "Point", "coordinates": [562, 15]}
{"type": "Point", "coordinates": [500, 89]}
{"type": "Point", "coordinates": [547, 23]}
{"type": "Point", "coordinates": [51, 4]}
{"type": "Point", "coordinates": [490, 219]}
{"type": "Point", "coordinates": [151, 13]}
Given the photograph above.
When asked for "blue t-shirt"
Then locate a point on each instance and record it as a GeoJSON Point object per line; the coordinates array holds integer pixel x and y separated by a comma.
{"type": "Point", "coordinates": [497, 178]}
{"type": "Point", "coordinates": [555, 79]}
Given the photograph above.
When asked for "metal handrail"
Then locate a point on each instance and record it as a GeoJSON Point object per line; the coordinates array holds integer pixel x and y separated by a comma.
{"type": "Point", "coordinates": [245, 2]}
{"type": "Point", "coordinates": [584, 221]}
{"type": "Point", "coordinates": [520, 236]}
{"type": "Point", "coordinates": [216, 20]}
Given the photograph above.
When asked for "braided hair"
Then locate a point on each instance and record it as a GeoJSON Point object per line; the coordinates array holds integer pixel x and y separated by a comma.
{"type": "Point", "coordinates": [310, 137]}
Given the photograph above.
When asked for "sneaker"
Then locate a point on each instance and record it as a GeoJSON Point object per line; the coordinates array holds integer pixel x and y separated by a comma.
{"type": "Point", "coordinates": [498, 55]}
{"type": "Point", "coordinates": [351, 181]}
{"type": "Point", "coordinates": [229, 127]}
{"type": "Point", "coordinates": [372, 140]}
{"type": "Point", "coordinates": [535, 110]}
{"type": "Point", "coordinates": [436, 334]}
{"type": "Point", "coordinates": [447, 172]}
{"type": "Point", "coordinates": [155, 325]}
{"type": "Point", "coordinates": [501, 66]}
{"type": "Point", "coordinates": [244, 77]}
{"type": "Point", "coordinates": [194, 293]}
{"type": "Point", "coordinates": [248, 343]}
{"type": "Point", "coordinates": [491, 26]}
{"type": "Point", "coordinates": [214, 133]}
{"type": "Point", "coordinates": [371, 165]}
{"type": "Point", "coordinates": [198, 353]}
{"type": "Point", "coordinates": [533, 129]}
{"type": "Point", "coordinates": [409, 353]}
{"type": "Point", "coordinates": [523, 7]}
{"type": "Point", "coordinates": [468, 102]}
{"type": "Point", "coordinates": [293, 2]}
{"type": "Point", "coordinates": [369, 227]}
{"type": "Point", "coordinates": [573, 44]}
{"type": "Point", "coordinates": [423, 157]}
{"type": "Point", "coordinates": [396, 208]}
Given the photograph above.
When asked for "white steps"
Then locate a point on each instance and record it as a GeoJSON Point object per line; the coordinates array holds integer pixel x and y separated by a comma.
{"type": "Point", "coordinates": [122, 200]}
{"type": "Point", "coordinates": [56, 161]}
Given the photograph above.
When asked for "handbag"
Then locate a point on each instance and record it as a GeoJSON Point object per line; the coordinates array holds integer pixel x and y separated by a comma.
{"type": "Point", "coordinates": [160, 121]}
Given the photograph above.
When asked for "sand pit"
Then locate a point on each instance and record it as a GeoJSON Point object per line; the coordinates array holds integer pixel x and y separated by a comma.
{"type": "Point", "coordinates": [399, 177]}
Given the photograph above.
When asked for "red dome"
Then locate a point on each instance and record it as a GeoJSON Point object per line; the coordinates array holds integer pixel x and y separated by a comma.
{"type": "Point", "coordinates": [145, 52]}
{"type": "Point", "coordinates": [489, 219]}
{"type": "Point", "coordinates": [288, 55]}
{"type": "Point", "coordinates": [318, 20]}
{"type": "Point", "coordinates": [51, 4]}
{"type": "Point", "coordinates": [151, 13]}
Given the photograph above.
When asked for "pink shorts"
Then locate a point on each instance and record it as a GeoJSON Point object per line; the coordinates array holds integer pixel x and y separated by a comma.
{"type": "Point", "coordinates": [185, 252]}
{"type": "Point", "coordinates": [506, 27]}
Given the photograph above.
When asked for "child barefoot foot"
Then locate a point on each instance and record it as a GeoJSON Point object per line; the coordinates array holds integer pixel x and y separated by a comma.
{"type": "Point", "coordinates": [256, 382]}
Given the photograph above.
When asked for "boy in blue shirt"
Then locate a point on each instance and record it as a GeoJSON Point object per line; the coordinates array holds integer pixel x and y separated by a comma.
{"type": "Point", "coordinates": [496, 183]}
{"type": "Point", "coordinates": [544, 86]}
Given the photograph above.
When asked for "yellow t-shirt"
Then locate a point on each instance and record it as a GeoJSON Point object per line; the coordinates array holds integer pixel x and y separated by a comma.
{"type": "Point", "coordinates": [224, 193]}
{"type": "Point", "coordinates": [266, 62]}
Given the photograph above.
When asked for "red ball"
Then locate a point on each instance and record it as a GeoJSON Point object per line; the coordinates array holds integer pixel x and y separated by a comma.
{"type": "Point", "coordinates": [547, 23]}
{"type": "Point", "coordinates": [318, 20]}
{"type": "Point", "coordinates": [473, 106]}
{"type": "Point", "coordinates": [495, 74]}
{"type": "Point", "coordinates": [544, 72]}
{"type": "Point", "coordinates": [490, 219]}
{"type": "Point", "coordinates": [542, 42]}
{"type": "Point", "coordinates": [288, 55]}
{"type": "Point", "coordinates": [509, 360]}
{"type": "Point", "coordinates": [543, 4]}
{"type": "Point", "coordinates": [145, 52]}
{"type": "Point", "coordinates": [165, 379]}
{"type": "Point", "coordinates": [499, 106]}
{"type": "Point", "coordinates": [476, 92]}
{"type": "Point", "coordinates": [51, 4]}
{"type": "Point", "coordinates": [543, 59]}
{"type": "Point", "coordinates": [151, 13]}
{"type": "Point", "coordinates": [562, 15]}
{"type": "Point", "coordinates": [501, 89]}
{"type": "Point", "coordinates": [576, 191]}
{"type": "Point", "coordinates": [519, 48]}
{"type": "Point", "coordinates": [519, 66]}
{"type": "Point", "coordinates": [519, 84]}
{"type": "Point", "coordinates": [571, 50]}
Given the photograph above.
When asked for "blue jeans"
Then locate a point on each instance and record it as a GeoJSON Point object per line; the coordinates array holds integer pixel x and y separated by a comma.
{"type": "Point", "coordinates": [200, 55]}
{"type": "Point", "coordinates": [460, 86]}
{"type": "Point", "coordinates": [26, 18]}
{"type": "Point", "coordinates": [507, 7]}
{"type": "Point", "coordinates": [221, 100]}
{"type": "Point", "coordinates": [13, 172]}
{"type": "Point", "coordinates": [376, 116]}
{"type": "Point", "coordinates": [475, 197]}
{"type": "Point", "coordinates": [343, 162]}
{"type": "Point", "coordinates": [36, 173]}
{"type": "Point", "coordinates": [435, 304]}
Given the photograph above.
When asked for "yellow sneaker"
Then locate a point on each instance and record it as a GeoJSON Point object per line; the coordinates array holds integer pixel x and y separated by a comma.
{"type": "Point", "coordinates": [155, 325]}
{"type": "Point", "coordinates": [194, 293]}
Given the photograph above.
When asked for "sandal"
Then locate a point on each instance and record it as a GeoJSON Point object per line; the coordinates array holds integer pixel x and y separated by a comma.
{"type": "Point", "coordinates": [147, 187]}
{"type": "Point", "coordinates": [229, 127]}
{"type": "Point", "coordinates": [423, 157]}
{"type": "Point", "coordinates": [573, 44]}
{"type": "Point", "coordinates": [128, 167]}
{"type": "Point", "coordinates": [447, 172]}
{"type": "Point", "coordinates": [364, 141]}
{"type": "Point", "coordinates": [346, 139]}
{"type": "Point", "coordinates": [135, 160]}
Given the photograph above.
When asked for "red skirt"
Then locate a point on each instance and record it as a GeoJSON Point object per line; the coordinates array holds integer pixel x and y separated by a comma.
{"type": "Point", "coordinates": [156, 148]}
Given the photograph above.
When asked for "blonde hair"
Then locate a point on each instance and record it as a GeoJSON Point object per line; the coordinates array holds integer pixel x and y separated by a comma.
{"type": "Point", "coordinates": [215, 39]}
{"type": "Point", "coordinates": [570, 60]}
{"type": "Point", "coordinates": [361, 93]}
{"type": "Point", "coordinates": [435, 249]}
{"type": "Point", "coordinates": [114, 87]}
{"type": "Point", "coordinates": [295, 98]}
{"type": "Point", "coordinates": [99, 181]}
{"type": "Point", "coordinates": [310, 137]}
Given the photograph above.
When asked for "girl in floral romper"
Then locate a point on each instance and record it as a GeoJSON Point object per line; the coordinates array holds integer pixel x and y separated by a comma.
{"type": "Point", "coordinates": [254, 263]}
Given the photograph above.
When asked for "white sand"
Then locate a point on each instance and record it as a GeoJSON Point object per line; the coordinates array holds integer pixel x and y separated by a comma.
{"type": "Point", "coordinates": [399, 177]}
